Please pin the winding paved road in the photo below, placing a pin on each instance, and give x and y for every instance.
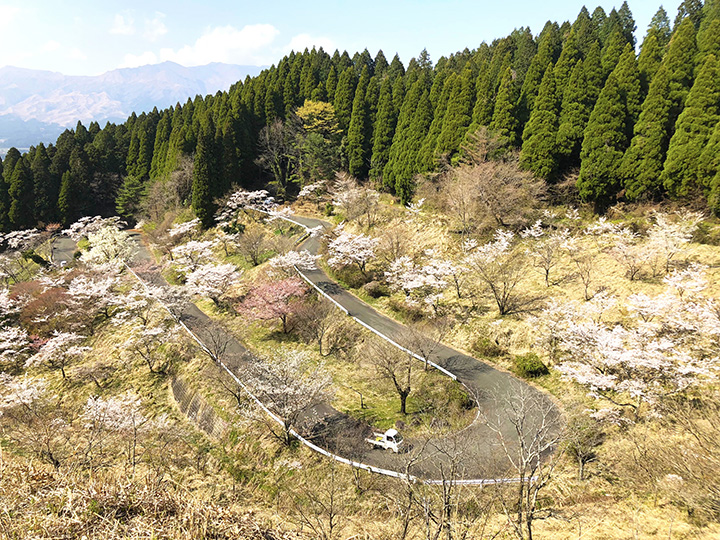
(500, 396)
(477, 451)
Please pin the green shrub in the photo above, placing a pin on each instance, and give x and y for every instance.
(487, 348)
(375, 289)
(411, 313)
(529, 366)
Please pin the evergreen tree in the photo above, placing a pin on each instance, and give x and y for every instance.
(358, 138)
(691, 10)
(458, 115)
(709, 169)
(611, 52)
(203, 169)
(504, 120)
(642, 163)
(426, 156)
(569, 56)
(129, 197)
(603, 145)
(45, 193)
(708, 40)
(344, 97)
(383, 131)
(22, 204)
(548, 51)
(627, 23)
(67, 199)
(660, 27)
(484, 99)
(693, 130)
(649, 61)
(539, 148)
(578, 99)
(331, 84)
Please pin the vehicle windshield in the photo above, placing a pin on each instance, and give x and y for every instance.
(398, 438)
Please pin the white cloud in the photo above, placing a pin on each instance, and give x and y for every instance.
(7, 14)
(305, 41)
(123, 25)
(50, 46)
(226, 44)
(137, 60)
(155, 28)
(77, 54)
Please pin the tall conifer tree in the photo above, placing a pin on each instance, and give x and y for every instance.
(539, 151)
(358, 138)
(606, 135)
(504, 120)
(22, 200)
(693, 130)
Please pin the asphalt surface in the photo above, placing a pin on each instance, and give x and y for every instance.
(509, 408)
(481, 450)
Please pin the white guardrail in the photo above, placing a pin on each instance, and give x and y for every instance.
(303, 440)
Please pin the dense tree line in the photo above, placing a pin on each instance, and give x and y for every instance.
(576, 99)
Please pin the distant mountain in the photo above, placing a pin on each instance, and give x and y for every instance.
(38, 105)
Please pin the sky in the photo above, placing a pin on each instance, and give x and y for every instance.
(90, 37)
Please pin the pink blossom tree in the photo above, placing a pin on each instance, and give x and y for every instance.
(274, 300)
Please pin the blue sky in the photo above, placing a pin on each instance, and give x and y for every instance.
(89, 37)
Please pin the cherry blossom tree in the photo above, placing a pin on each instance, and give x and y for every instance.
(545, 250)
(109, 245)
(668, 236)
(119, 416)
(629, 252)
(191, 255)
(58, 351)
(146, 341)
(31, 417)
(500, 267)
(185, 229)
(288, 262)
(14, 344)
(274, 300)
(348, 249)
(424, 282)
(291, 386)
(665, 347)
(212, 280)
(355, 202)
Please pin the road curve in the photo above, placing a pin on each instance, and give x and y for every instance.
(504, 401)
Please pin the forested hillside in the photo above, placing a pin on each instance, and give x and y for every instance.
(577, 100)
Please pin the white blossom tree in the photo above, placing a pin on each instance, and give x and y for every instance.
(291, 385)
(500, 267)
(109, 245)
(191, 255)
(31, 417)
(288, 262)
(58, 351)
(665, 346)
(545, 250)
(212, 280)
(348, 249)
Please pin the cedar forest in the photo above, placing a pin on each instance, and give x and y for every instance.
(577, 101)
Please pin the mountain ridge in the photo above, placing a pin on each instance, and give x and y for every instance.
(37, 105)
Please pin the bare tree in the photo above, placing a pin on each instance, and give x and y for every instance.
(529, 430)
(252, 243)
(393, 365)
(291, 387)
(277, 153)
